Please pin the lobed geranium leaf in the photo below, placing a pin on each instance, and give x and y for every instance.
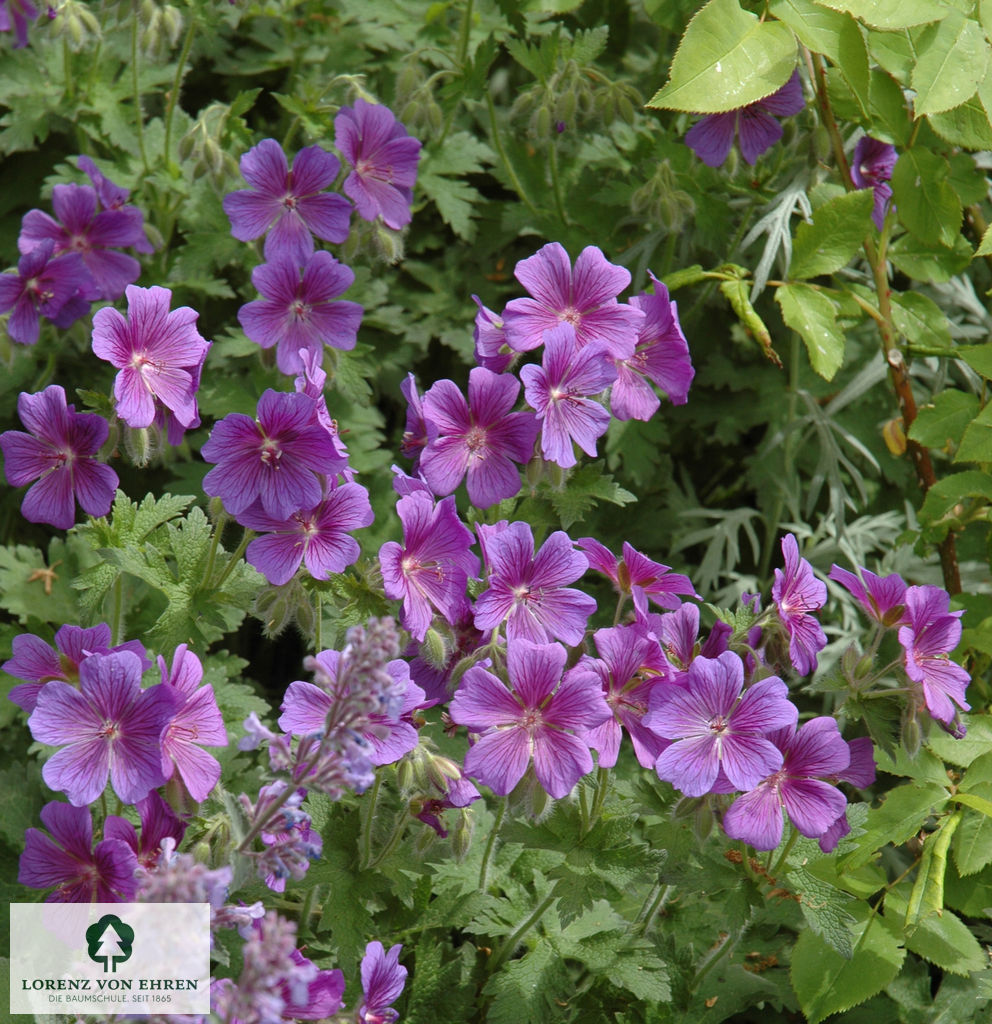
(930, 262)
(826, 909)
(727, 59)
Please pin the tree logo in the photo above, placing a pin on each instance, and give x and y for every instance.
(109, 942)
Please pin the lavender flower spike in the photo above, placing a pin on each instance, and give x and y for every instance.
(153, 349)
(60, 453)
(537, 719)
(711, 138)
(289, 204)
(797, 594)
(108, 727)
(383, 978)
(715, 725)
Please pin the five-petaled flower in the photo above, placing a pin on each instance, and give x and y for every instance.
(797, 594)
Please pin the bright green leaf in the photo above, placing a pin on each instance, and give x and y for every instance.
(976, 445)
(953, 57)
(890, 14)
(943, 939)
(826, 909)
(838, 229)
(927, 205)
(890, 120)
(818, 28)
(973, 842)
(902, 812)
(942, 422)
(930, 262)
(941, 498)
(966, 125)
(813, 315)
(920, 320)
(727, 59)
(978, 357)
(978, 739)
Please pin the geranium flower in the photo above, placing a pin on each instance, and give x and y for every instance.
(558, 390)
(278, 459)
(528, 591)
(881, 597)
(757, 130)
(491, 349)
(298, 315)
(383, 978)
(67, 859)
(43, 286)
(797, 594)
(114, 197)
(384, 161)
(108, 727)
(289, 204)
(480, 438)
(544, 717)
(871, 167)
(585, 298)
(317, 537)
(810, 754)
(156, 351)
(60, 453)
(714, 726)
(430, 570)
(17, 14)
(159, 822)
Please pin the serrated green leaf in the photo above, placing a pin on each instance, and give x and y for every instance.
(524, 989)
(943, 496)
(978, 739)
(892, 14)
(927, 894)
(978, 357)
(727, 59)
(584, 489)
(927, 205)
(890, 120)
(813, 315)
(455, 201)
(943, 939)
(838, 229)
(930, 262)
(941, 422)
(953, 57)
(973, 842)
(920, 320)
(976, 445)
(826, 909)
(966, 125)
(902, 812)
(827, 983)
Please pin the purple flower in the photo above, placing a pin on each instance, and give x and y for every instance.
(711, 138)
(931, 633)
(715, 726)
(384, 161)
(292, 203)
(881, 597)
(299, 314)
(431, 568)
(661, 356)
(637, 575)
(586, 298)
(797, 593)
(42, 287)
(156, 351)
(113, 197)
(310, 382)
(197, 721)
(872, 167)
(415, 433)
(17, 13)
(383, 978)
(528, 591)
(317, 537)
(482, 438)
(491, 349)
(624, 672)
(277, 459)
(815, 751)
(89, 233)
(109, 727)
(38, 663)
(68, 860)
(558, 390)
(158, 823)
(60, 453)
(323, 994)
(537, 719)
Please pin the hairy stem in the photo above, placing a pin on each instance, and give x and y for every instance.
(491, 845)
(177, 85)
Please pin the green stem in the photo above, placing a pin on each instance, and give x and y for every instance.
(117, 626)
(139, 115)
(234, 559)
(318, 621)
(780, 863)
(397, 834)
(620, 605)
(214, 544)
(498, 143)
(70, 88)
(306, 911)
(490, 846)
(177, 84)
(653, 906)
(366, 848)
(503, 953)
(466, 29)
(599, 798)
(556, 183)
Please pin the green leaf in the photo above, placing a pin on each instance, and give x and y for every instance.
(941, 423)
(978, 739)
(838, 229)
(685, 276)
(890, 120)
(818, 28)
(826, 909)
(585, 488)
(973, 842)
(978, 357)
(966, 125)
(954, 56)
(943, 939)
(736, 293)
(928, 261)
(813, 315)
(890, 14)
(927, 205)
(523, 990)
(727, 59)
(902, 812)
(941, 498)
(920, 320)
(927, 895)
(976, 445)
(828, 983)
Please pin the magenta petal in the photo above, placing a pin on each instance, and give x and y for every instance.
(499, 759)
(756, 817)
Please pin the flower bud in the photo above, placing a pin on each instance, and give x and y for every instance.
(894, 436)
(461, 834)
(172, 24)
(388, 244)
(912, 735)
(201, 852)
(404, 777)
(434, 650)
(142, 444)
(272, 606)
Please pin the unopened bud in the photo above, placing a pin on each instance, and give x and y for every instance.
(305, 615)
(388, 244)
(625, 109)
(404, 777)
(912, 735)
(142, 444)
(434, 650)
(461, 834)
(540, 123)
(702, 823)
(201, 852)
(172, 24)
(273, 608)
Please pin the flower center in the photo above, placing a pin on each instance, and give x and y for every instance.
(300, 309)
(475, 439)
(531, 720)
(290, 202)
(78, 243)
(718, 725)
(110, 731)
(570, 315)
(271, 453)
